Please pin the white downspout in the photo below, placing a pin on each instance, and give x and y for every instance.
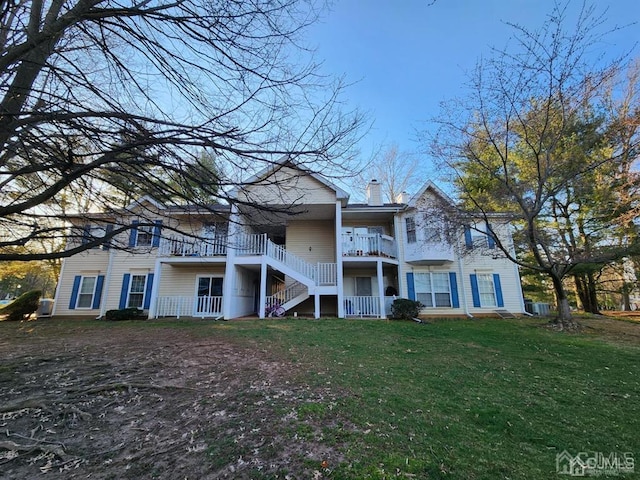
(155, 288)
(107, 282)
(339, 265)
(461, 289)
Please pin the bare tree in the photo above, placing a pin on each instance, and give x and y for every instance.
(396, 171)
(94, 91)
(537, 139)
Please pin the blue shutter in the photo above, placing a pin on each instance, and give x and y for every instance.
(133, 233)
(98, 295)
(498, 289)
(74, 292)
(107, 244)
(147, 291)
(490, 240)
(475, 293)
(411, 287)
(157, 228)
(453, 283)
(468, 241)
(125, 290)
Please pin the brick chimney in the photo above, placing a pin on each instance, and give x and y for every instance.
(374, 193)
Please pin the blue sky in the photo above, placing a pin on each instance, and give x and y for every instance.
(407, 56)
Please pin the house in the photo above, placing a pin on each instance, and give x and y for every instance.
(290, 238)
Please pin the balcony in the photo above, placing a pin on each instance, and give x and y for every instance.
(183, 246)
(369, 245)
(428, 253)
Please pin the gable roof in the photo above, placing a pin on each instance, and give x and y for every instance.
(287, 161)
(147, 199)
(429, 185)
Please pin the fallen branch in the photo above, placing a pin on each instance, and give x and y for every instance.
(37, 402)
(45, 448)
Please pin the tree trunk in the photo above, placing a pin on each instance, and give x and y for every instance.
(587, 293)
(592, 294)
(564, 321)
(626, 297)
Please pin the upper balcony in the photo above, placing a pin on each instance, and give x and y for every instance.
(428, 253)
(369, 245)
(183, 246)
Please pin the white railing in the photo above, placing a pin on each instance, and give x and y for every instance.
(283, 296)
(369, 245)
(192, 247)
(174, 307)
(292, 261)
(327, 274)
(251, 244)
(362, 306)
(208, 306)
(180, 306)
(259, 244)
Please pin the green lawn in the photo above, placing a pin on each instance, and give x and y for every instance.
(463, 399)
(453, 399)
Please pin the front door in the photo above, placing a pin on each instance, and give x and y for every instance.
(209, 296)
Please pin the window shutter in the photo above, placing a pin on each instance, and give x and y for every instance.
(133, 233)
(475, 293)
(147, 292)
(98, 295)
(453, 283)
(74, 292)
(157, 228)
(125, 290)
(411, 287)
(107, 244)
(498, 287)
(468, 241)
(490, 240)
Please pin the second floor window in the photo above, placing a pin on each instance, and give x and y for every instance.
(411, 230)
(144, 236)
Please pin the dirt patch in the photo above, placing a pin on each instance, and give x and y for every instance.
(128, 402)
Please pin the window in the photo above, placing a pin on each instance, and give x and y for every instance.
(432, 234)
(486, 290)
(144, 236)
(411, 230)
(85, 292)
(363, 286)
(210, 287)
(433, 289)
(136, 291)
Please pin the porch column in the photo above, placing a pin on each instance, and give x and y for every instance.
(263, 288)
(339, 267)
(380, 288)
(230, 272)
(317, 305)
(154, 289)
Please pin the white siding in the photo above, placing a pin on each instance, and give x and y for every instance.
(311, 240)
(91, 262)
(288, 186)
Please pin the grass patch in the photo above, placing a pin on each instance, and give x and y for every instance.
(454, 399)
(477, 399)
